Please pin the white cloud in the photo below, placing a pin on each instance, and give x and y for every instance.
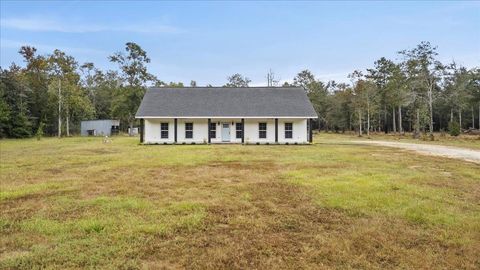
(50, 25)
(14, 44)
(47, 25)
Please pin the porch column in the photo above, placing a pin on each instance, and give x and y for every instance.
(175, 130)
(243, 130)
(310, 131)
(208, 129)
(142, 130)
(276, 130)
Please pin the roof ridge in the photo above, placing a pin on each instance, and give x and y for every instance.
(226, 101)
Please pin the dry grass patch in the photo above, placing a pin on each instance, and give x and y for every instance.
(78, 203)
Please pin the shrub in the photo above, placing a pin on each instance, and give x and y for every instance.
(39, 133)
(453, 128)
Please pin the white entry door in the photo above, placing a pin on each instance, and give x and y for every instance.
(225, 132)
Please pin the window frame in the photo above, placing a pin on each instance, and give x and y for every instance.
(238, 131)
(288, 131)
(189, 132)
(214, 130)
(262, 133)
(163, 129)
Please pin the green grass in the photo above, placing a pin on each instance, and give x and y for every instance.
(19, 192)
(79, 203)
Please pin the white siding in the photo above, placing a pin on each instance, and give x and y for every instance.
(300, 134)
(252, 134)
(200, 131)
(152, 131)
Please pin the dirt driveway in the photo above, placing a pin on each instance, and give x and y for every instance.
(433, 150)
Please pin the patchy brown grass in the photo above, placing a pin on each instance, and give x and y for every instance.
(327, 206)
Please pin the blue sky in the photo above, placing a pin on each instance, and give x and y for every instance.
(207, 41)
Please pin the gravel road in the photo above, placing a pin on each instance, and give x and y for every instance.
(433, 150)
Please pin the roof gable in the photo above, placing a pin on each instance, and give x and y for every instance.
(226, 102)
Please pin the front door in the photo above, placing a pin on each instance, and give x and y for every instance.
(225, 132)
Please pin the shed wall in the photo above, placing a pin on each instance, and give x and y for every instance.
(101, 127)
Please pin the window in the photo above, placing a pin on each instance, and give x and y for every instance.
(188, 130)
(288, 130)
(262, 130)
(213, 130)
(238, 130)
(164, 130)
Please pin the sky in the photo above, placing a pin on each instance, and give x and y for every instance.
(208, 41)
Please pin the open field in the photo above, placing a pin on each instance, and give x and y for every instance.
(79, 203)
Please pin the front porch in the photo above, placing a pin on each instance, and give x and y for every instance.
(225, 131)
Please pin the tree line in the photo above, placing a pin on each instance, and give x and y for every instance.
(417, 94)
(52, 93)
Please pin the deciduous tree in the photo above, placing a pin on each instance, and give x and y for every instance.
(237, 80)
(133, 66)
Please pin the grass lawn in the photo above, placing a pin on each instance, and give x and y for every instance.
(79, 203)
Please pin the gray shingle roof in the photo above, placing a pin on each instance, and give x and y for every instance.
(226, 101)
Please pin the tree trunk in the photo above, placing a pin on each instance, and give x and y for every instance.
(394, 122)
(59, 108)
(478, 115)
(67, 122)
(473, 117)
(360, 123)
(460, 118)
(400, 127)
(385, 119)
(451, 115)
(416, 134)
(349, 122)
(430, 106)
(368, 122)
(379, 121)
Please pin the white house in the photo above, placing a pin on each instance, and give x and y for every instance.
(251, 115)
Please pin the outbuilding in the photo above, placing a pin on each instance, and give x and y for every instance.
(249, 115)
(103, 127)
